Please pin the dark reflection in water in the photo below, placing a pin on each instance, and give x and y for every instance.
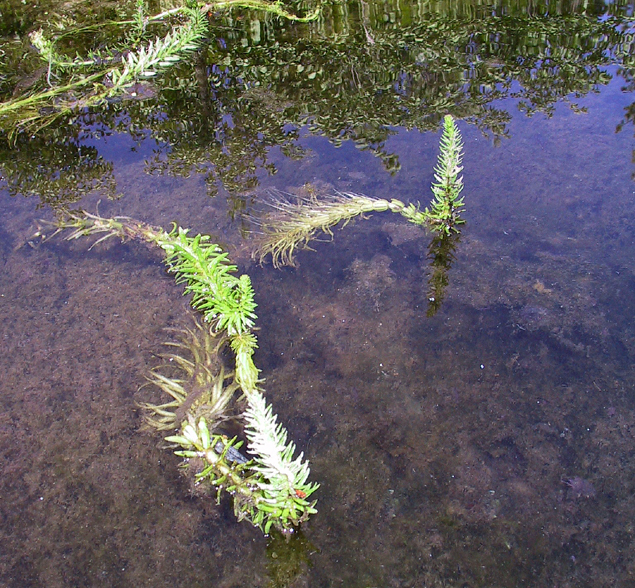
(488, 443)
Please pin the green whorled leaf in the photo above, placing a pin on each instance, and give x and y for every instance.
(203, 433)
(191, 434)
(186, 454)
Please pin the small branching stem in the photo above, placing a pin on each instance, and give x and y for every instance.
(292, 224)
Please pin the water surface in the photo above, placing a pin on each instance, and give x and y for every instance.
(481, 439)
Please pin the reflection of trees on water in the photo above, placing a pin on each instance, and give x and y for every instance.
(359, 71)
(628, 73)
(56, 168)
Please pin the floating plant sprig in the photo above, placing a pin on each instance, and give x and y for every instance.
(292, 223)
(112, 75)
(285, 484)
(272, 490)
(159, 53)
(264, 502)
(226, 301)
(92, 79)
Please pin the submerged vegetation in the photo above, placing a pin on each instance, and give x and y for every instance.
(292, 224)
(270, 487)
(199, 388)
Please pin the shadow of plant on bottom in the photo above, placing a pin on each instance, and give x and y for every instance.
(269, 485)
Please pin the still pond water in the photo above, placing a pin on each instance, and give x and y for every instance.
(470, 416)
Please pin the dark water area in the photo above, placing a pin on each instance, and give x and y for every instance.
(482, 438)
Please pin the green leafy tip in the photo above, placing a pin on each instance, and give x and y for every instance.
(447, 203)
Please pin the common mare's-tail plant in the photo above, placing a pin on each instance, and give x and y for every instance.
(447, 204)
(292, 222)
(270, 484)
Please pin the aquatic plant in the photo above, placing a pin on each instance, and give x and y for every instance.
(110, 71)
(270, 487)
(290, 225)
(294, 223)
